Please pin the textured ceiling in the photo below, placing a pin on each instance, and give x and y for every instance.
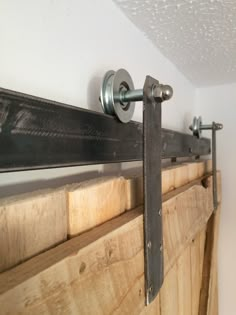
(198, 36)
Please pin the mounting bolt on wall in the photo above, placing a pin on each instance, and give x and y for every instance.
(117, 98)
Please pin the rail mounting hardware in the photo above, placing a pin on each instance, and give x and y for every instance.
(118, 94)
(37, 133)
(197, 127)
(117, 98)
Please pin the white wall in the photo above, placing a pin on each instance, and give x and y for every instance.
(60, 49)
(219, 104)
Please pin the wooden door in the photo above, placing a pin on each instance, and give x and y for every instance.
(79, 249)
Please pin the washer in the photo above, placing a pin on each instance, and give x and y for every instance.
(114, 85)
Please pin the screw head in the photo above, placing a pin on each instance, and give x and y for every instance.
(149, 244)
(150, 289)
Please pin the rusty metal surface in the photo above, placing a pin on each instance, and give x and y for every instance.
(36, 133)
(152, 192)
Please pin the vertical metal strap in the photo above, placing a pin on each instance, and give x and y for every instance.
(214, 167)
(152, 192)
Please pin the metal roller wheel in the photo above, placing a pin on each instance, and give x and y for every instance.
(196, 126)
(114, 85)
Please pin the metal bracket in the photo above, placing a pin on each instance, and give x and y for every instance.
(153, 252)
(117, 98)
(197, 128)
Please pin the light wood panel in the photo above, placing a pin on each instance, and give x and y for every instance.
(101, 271)
(209, 287)
(180, 292)
(184, 215)
(34, 222)
(196, 264)
(173, 177)
(93, 202)
(134, 192)
(30, 224)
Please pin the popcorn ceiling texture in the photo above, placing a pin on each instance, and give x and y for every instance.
(199, 37)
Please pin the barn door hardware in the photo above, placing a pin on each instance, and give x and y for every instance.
(38, 134)
(197, 128)
(117, 98)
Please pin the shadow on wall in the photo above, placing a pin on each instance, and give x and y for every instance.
(93, 93)
(187, 121)
(113, 169)
(30, 186)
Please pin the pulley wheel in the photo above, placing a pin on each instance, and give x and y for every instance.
(114, 85)
(196, 126)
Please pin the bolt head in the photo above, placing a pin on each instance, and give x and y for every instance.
(162, 92)
(218, 126)
(167, 92)
(150, 289)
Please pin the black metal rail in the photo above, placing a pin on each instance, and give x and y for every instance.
(36, 133)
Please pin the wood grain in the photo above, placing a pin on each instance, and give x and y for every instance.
(180, 292)
(30, 224)
(183, 216)
(101, 271)
(173, 177)
(209, 288)
(208, 304)
(94, 202)
(196, 265)
(34, 222)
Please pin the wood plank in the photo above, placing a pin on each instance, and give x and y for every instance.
(212, 305)
(94, 202)
(184, 282)
(173, 177)
(101, 271)
(209, 289)
(34, 222)
(134, 192)
(26, 223)
(183, 216)
(89, 274)
(208, 304)
(152, 309)
(178, 175)
(181, 289)
(196, 264)
(169, 293)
